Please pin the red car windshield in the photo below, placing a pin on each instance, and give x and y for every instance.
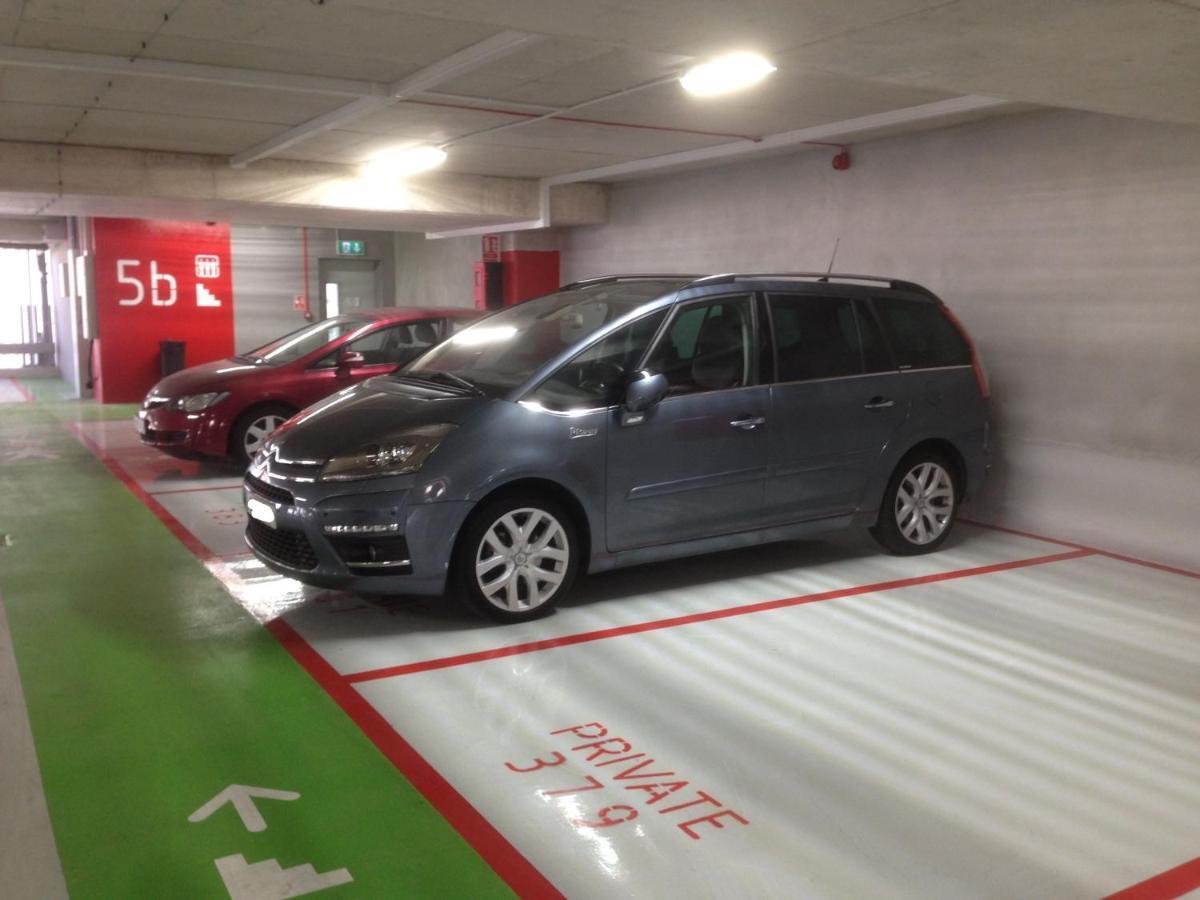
(309, 339)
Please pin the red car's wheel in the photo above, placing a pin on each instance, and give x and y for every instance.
(252, 428)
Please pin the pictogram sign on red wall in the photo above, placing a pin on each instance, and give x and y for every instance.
(158, 281)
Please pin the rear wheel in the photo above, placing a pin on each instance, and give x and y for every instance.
(919, 505)
(252, 429)
(516, 558)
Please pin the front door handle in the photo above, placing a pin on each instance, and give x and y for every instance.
(879, 403)
(749, 423)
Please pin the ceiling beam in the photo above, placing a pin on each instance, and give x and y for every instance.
(467, 60)
(103, 64)
(827, 133)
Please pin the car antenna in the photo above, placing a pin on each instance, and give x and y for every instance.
(832, 257)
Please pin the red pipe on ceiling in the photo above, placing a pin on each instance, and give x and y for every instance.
(579, 121)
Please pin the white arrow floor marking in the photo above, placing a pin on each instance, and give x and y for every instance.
(240, 796)
(267, 880)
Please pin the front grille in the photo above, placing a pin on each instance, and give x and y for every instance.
(288, 548)
(277, 494)
(155, 402)
(298, 471)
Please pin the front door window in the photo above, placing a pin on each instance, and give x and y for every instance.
(707, 347)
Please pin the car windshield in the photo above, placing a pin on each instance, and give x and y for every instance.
(299, 344)
(503, 350)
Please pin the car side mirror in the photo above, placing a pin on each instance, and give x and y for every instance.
(644, 391)
(346, 359)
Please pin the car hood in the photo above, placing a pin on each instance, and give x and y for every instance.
(366, 413)
(212, 376)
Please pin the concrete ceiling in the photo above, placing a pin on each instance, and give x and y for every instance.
(838, 60)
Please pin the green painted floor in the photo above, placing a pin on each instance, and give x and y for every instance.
(150, 690)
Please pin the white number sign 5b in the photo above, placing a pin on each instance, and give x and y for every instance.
(163, 287)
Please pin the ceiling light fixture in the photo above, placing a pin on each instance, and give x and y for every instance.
(405, 161)
(725, 74)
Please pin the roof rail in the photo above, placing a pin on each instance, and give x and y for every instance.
(607, 278)
(896, 283)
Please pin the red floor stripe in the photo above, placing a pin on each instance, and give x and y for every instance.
(163, 515)
(492, 846)
(495, 849)
(602, 634)
(1165, 886)
(21, 389)
(1175, 570)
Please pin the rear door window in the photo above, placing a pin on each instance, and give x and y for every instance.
(920, 334)
(819, 337)
(874, 348)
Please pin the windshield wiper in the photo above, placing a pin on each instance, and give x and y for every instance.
(443, 378)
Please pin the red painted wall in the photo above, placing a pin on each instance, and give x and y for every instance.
(529, 273)
(158, 281)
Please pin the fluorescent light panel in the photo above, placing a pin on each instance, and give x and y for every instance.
(725, 74)
(405, 161)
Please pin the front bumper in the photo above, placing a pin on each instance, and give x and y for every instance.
(183, 434)
(408, 553)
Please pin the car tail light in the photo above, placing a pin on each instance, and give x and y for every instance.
(976, 359)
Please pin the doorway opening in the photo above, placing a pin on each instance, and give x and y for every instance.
(348, 285)
(26, 327)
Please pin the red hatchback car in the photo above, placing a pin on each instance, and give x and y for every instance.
(229, 407)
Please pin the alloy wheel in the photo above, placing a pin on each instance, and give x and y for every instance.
(258, 431)
(924, 503)
(522, 560)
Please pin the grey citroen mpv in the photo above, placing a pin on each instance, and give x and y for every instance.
(628, 419)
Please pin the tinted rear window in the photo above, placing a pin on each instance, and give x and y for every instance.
(824, 337)
(921, 335)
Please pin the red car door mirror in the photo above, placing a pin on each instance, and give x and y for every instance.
(348, 359)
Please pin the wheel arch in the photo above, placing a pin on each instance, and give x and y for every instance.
(953, 455)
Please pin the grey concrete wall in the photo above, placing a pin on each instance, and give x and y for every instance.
(1067, 242)
(435, 272)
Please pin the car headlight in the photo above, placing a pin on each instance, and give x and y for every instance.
(395, 454)
(198, 402)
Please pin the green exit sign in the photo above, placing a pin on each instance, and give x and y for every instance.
(352, 248)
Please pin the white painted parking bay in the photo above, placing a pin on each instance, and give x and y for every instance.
(425, 631)
(1008, 717)
(1029, 733)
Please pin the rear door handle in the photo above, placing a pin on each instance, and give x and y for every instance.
(878, 403)
(749, 423)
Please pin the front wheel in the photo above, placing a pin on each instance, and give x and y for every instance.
(919, 505)
(516, 558)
